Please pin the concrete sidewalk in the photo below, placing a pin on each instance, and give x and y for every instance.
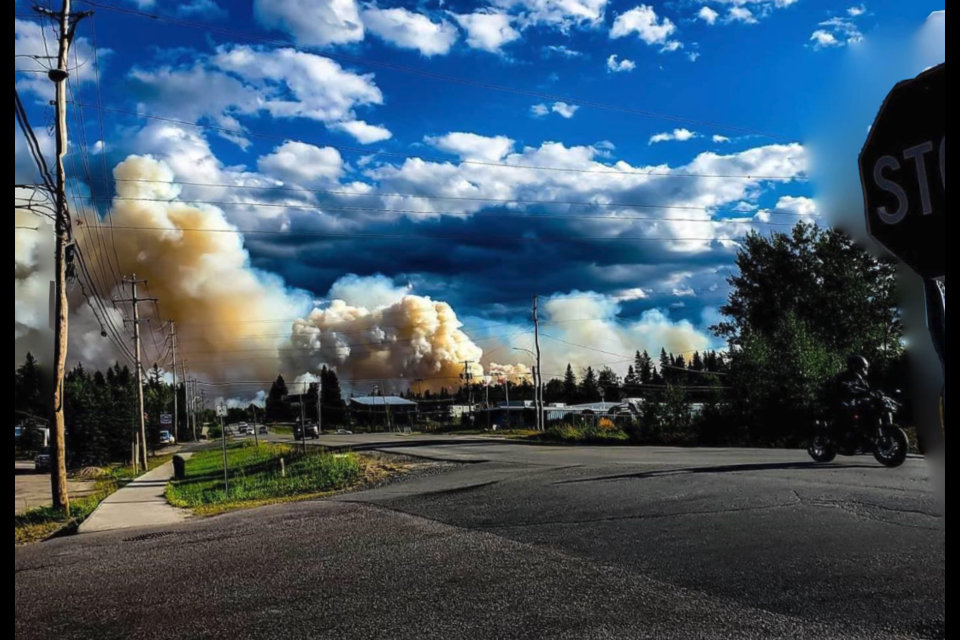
(140, 504)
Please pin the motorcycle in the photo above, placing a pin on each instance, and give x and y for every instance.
(866, 424)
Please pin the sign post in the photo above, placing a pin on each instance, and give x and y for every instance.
(903, 171)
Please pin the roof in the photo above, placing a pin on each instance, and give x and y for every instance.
(378, 401)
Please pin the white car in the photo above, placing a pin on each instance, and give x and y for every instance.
(344, 432)
(167, 439)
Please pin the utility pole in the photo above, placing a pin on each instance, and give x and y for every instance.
(538, 376)
(303, 419)
(64, 255)
(135, 301)
(320, 408)
(506, 385)
(176, 387)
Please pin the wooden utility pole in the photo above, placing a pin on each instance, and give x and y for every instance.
(64, 255)
(176, 387)
(135, 301)
(538, 376)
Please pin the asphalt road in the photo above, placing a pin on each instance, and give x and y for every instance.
(526, 542)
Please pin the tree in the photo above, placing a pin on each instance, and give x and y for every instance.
(644, 368)
(846, 298)
(697, 363)
(666, 367)
(571, 390)
(277, 409)
(334, 408)
(590, 387)
(28, 391)
(609, 383)
(802, 303)
(631, 379)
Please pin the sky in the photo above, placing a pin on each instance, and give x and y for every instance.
(384, 187)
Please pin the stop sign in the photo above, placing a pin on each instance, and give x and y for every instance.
(902, 171)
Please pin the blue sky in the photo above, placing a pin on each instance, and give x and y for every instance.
(309, 100)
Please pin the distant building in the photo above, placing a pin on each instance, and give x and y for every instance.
(378, 412)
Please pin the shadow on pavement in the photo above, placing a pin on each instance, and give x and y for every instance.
(734, 468)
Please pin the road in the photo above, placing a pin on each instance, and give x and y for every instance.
(526, 542)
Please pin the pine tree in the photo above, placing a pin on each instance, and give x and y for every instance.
(609, 383)
(631, 379)
(666, 366)
(697, 364)
(590, 387)
(571, 391)
(645, 369)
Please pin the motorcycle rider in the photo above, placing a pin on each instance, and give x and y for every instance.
(850, 387)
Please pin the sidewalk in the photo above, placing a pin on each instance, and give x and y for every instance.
(140, 504)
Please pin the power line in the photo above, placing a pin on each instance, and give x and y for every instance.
(387, 236)
(439, 159)
(428, 74)
(479, 214)
(420, 196)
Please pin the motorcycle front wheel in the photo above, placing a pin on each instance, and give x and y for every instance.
(822, 450)
(891, 450)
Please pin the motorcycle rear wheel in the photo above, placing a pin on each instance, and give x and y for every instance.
(822, 450)
(892, 450)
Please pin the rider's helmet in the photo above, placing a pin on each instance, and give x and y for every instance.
(859, 365)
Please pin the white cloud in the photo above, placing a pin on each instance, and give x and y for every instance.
(363, 132)
(206, 9)
(586, 176)
(470, 146)
(409, 30)
(823, 39)
(245, 81)
(836, 32)
(708, 15)
(649, 27)
(721, 139)
(560, 14)
(677, 135)
(562, 109)
(562, 51)
(303, 164)
(373, 292)
(488, 30)
(743, 11)
(799, 206)
(857, 11)
(741, 14)
(565, 110)
(539, 111)
(614, 65)
(319, 23)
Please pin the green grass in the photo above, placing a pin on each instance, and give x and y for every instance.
(256, 478)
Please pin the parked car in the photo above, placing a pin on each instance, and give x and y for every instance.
(313, 432)
(264, 431)
(167, 439)
(344, 432)
(43, 461)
